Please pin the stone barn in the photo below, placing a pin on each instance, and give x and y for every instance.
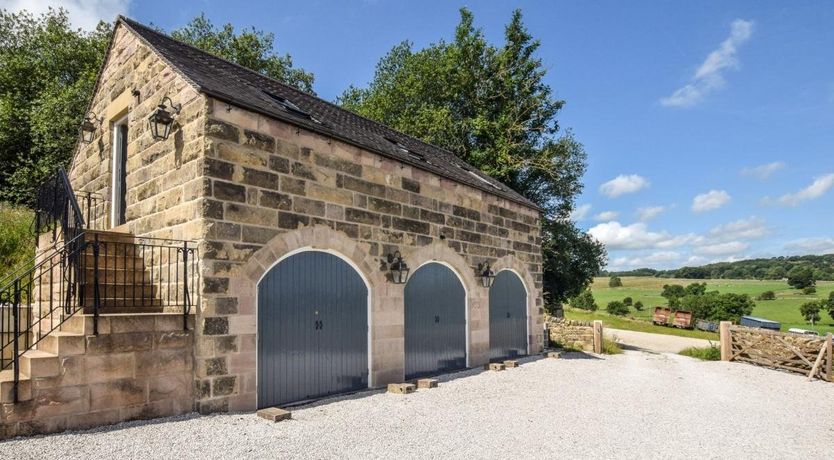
(231, 243)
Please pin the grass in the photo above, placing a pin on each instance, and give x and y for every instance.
(610, 348)
(706, 353)
(784, 309)
(17, 244)
(617, 322)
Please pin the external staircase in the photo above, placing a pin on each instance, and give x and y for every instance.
(97, 329)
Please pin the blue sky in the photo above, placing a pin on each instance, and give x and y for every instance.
(709, 125)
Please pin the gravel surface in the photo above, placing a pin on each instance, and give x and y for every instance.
(634, 405)
(660, 343)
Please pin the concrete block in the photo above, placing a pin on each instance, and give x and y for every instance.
(510, 363)
(275, 414)
(494, 367)
(427, 383)
(401, 388)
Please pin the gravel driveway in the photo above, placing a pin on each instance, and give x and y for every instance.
(660, 343)
(634, 405)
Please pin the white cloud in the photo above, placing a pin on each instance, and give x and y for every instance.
(708, 77)
(654, 259)
(817, 189)
(720, 249)
(606, 216)
(636, 236)
(817, 245)
(649, 212)
(763, 171)
(82, 13)
(581, 212)
(749, 229)
(623, 184)
(713, 199)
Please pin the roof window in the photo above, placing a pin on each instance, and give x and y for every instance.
(476, 176)
(289, 106)
(403, 149)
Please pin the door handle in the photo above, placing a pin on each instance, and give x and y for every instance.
(437, 319)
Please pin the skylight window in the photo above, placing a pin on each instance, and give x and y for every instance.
(289, 106)
(476, 176)
(403, 149)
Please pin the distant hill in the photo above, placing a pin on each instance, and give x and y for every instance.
(772, 269)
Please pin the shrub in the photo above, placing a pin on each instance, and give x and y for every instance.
(767, 295)
(809, 290)
(711, 353)
(638, 305)
(801, 277)
(17, 244)
(617, 308)
(615, 282)
(628, 301)
(829, 304)
(610, 348)
(584, 301)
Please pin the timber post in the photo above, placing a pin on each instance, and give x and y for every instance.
(597, 336)
(724, 340)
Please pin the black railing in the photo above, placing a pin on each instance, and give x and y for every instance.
(91, 272)
(94, 207)
(57, 210)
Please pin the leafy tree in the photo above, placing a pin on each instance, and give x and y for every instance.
(489, 105)
(809, 290)
(615, 282)
(715, 306)
(801, 277)
(672, 293)
(696, 289)
(811, 311)
(628, 301)
(638, 305)
(584, 301)
(777, 273)
(47, 73)
(617, 308)
(250, 48)
(767, 295)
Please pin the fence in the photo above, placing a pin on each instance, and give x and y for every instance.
(805, 354)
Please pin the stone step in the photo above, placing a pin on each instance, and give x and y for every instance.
(24, 389)
(126, 322)
(110, 236)
(63, 343)
(136, 309)
(39, 363)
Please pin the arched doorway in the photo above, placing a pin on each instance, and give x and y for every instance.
(312, 329)
(507, 317)
(435, 321)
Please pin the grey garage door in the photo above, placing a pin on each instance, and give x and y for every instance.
(507, 317)
(312, 329)
(435, 322)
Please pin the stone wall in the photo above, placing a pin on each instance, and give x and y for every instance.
(138, 367)
(272, 188)
(571, 333)
(163, 179)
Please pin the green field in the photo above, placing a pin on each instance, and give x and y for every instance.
(784, 309)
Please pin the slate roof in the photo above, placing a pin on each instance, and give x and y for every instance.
(242, 87)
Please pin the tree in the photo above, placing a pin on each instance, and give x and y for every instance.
(696, 289)
(489, 105)
(767, 295)
(638, 305)
(673, 292)
(809, 290)
(615, 282)
(801, 277)
(829, 304)
(47, 73)
(584, 301)
(731, 307)
(250, 48)
(811, 312)
(628, 301)
(617, 308)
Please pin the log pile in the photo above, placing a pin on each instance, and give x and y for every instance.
(808, 355)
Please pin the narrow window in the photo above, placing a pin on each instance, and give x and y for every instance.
(118, 189)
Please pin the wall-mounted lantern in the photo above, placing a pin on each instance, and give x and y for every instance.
(161, 119)
(399, 269)
(486, 274)
(89, 126)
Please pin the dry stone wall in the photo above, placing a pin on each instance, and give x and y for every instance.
(571, 333)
